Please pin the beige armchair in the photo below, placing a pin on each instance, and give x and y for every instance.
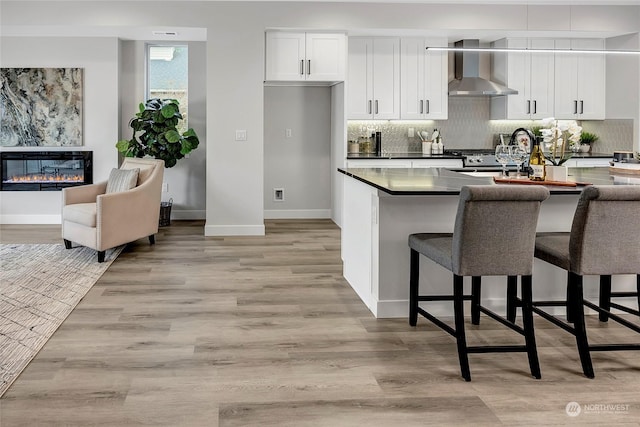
(101, 221)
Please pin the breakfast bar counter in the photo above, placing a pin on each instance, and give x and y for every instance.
(383, 206)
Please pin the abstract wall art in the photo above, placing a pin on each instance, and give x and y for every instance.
(41, 107)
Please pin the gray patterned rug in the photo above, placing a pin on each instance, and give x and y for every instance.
(39, 286)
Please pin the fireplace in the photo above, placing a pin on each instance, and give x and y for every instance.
(45, 170)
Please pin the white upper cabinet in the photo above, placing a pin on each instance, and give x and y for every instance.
(580, 81)
(423, 82)
(292, 57)
(373, 78)
(531, 74)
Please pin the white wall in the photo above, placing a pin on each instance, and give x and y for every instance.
(99, 58)
(338, 149)
(623, 81)
(235, 63)
(300, 164)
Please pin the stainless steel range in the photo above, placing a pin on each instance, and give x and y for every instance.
(480, 158)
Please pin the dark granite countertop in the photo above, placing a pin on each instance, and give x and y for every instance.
(390, 156)
(440, 181)
(417, 155)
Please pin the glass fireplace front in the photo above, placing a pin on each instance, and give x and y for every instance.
(45, 170)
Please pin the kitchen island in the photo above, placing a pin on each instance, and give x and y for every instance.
(383, 206)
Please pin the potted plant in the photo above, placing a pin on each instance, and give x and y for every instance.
(155, 133)
(586, 141)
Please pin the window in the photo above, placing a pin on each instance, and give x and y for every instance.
(167, 76)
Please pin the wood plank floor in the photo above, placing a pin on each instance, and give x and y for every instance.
(265, 331)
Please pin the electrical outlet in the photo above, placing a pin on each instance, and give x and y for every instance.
(288, 133)
(278, 194)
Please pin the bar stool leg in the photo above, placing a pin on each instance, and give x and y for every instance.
(527, 319)
(638, 289)
(569, 307)
(577, 308)
(512, 296)
(413, 287)
(476, 287)
(605, 297)
(458, 309)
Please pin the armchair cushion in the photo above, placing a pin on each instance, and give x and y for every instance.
(122, 180)
(80, 213)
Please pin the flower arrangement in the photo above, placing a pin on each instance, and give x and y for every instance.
(559, 138)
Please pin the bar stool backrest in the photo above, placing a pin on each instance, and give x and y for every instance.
(605, 234)
(495, 229)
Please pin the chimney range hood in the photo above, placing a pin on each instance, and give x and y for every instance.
(467, 80)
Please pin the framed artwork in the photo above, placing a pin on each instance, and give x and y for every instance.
(41, 107)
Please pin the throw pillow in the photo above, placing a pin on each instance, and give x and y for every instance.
(122, 180)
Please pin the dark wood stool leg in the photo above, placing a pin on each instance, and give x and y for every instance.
(638, 289)
(577, 308)
(67, 244)
(476, 289)
(570, 313)
(413, 287)
(512, 295)
(100, 256)
(458, 309)
(152, 239)
(527, 320)
(605, 297)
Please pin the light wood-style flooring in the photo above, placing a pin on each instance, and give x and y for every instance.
(265, 331)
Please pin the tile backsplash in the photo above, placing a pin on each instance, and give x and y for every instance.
(469, 126)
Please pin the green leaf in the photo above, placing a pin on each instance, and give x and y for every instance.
(169, 110)
(172, 136)
(122, 145)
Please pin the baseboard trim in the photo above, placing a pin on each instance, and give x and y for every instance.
(297, 214)
(390, 309)
(234, 230)
(188, 214)
(30, 219)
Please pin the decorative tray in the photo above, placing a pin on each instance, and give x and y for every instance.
(625, 168)
(526, 181)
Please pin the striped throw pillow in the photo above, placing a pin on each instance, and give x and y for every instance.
(122, 180)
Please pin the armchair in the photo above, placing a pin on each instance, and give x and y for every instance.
(99, 220)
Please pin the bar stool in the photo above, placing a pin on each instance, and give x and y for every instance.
(494, 235)
(603, 241)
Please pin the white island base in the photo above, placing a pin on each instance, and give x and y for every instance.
(375, 229)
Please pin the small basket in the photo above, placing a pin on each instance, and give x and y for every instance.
(165, 213)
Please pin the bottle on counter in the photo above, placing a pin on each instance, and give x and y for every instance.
(536, 162)
(378, 143)
(435, 148)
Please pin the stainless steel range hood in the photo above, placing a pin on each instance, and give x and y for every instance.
(467, 80)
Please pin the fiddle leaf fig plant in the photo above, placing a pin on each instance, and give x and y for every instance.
(155, 133)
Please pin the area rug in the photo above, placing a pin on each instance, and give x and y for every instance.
(39, 286)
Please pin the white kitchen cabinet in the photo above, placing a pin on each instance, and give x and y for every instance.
(312, 57)
(437, 163)
(588, 163)
(532, 75)
(373, 78)
(378, 163)
(423, 82)
(580, 81)
(404, 163)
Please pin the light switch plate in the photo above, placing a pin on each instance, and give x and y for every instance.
(241, 135)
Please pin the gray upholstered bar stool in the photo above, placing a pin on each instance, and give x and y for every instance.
(603, 241)
(494, 235)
